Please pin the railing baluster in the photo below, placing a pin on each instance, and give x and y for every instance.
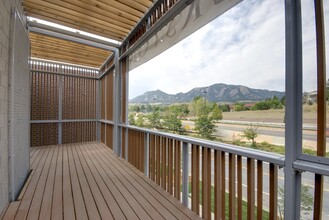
(170, 166)
(273, 191)
(152, 157)
(177, 169)
(147, 154)
(163, 163)
(158, 174)
(206, 183)
(239, 176)
(223, 188)
(251, 188)
(259, 189)
(232, 205)
(165, 159)
(217, 184)
(196, 178)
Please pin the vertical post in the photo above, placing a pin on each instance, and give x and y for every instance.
(321, 100)
(147, 154)
(98, 108)
(60, 108)
(293, 112)
(185, 174)
(117, 104)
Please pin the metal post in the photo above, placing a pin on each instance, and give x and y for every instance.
(117, 105)
(293, 113)
(147, 154)
(98, 107)
(185, 174)
(60, 107)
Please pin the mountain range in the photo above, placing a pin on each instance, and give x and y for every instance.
(216, 93)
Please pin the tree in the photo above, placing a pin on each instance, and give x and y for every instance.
(131, 119)
(140, 121)
(250, 133)
(224, 107)
(216, 113)
(205, 126)
(199, 106)
(306, 200)
(172, 123)
(149, 108)
(154, 120)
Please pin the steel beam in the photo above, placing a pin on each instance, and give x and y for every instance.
(63, 74)
(34, 24)
(293, 112)
(71, 38)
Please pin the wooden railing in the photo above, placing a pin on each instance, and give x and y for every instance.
(156, 12)
(206, 176)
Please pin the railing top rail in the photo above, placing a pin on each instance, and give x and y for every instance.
(229, 148)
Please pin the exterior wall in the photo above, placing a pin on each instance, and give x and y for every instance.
(6, 7)
(63, 103)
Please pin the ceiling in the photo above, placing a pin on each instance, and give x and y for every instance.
(50, 48)
(113, 19)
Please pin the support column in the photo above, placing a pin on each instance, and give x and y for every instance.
(117, 105)
(293, 112)
(60, 107)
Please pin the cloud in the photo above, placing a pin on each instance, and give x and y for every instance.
(245, 46)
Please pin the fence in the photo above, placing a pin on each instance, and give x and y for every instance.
(63, 103)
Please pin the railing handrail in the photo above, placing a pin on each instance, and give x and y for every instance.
(269, 157)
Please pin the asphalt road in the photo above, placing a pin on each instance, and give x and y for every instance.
(307, 135)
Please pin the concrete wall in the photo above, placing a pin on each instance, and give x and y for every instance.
(6, 9)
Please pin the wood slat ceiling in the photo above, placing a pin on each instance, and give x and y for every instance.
(113, 19)
(55, 49)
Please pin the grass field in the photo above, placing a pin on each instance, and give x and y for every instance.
(273, 115)
(244, 203)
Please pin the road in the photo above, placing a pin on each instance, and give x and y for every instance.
(277, 132)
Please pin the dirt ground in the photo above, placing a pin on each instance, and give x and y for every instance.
(273, 115)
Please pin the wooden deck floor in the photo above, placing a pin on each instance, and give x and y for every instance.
(86, 181)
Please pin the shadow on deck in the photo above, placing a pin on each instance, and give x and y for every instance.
(87, 181)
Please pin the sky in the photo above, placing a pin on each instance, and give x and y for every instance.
(244, 46)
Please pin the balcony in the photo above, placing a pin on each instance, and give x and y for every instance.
(87, 181)
(87, 162)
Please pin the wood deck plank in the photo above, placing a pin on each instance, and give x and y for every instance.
(101, 204)
(79, 204)
(86, 192)
(68, 205)
(121, 201)
(24, 207)
(87, 181)
(57, 203)
(11, 211)
(133, 202)
(139, 188)
(160, 194)
(45, 211)
(110, 200)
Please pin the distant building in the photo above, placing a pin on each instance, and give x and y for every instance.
(312, 96)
